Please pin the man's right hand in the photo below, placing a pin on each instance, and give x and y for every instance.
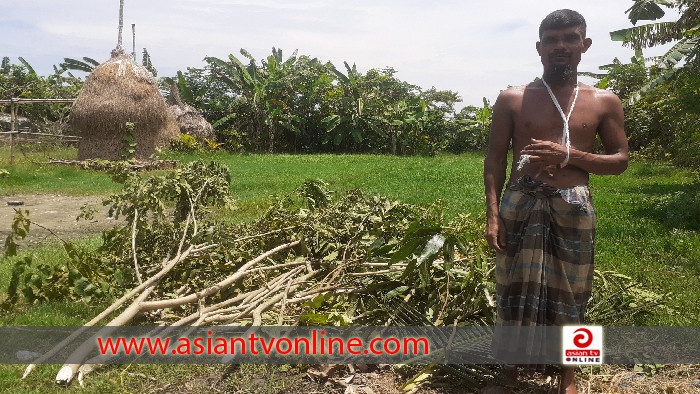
(496, 234)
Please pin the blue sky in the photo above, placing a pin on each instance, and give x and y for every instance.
(476, 48)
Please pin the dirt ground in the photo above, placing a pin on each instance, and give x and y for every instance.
(55, 212)
(609, 379)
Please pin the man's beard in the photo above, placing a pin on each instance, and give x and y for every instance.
(559, 72)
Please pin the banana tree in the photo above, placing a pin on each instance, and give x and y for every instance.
(86, 65)
(686, 31)
(624, 79)
(407, 121)
(479, 124)
(264, 91)
(5, 65)
(356, 110)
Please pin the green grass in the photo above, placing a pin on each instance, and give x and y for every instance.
(141, 378)
(648, 222)
(454, 180)
(647, 217)
(29, 177)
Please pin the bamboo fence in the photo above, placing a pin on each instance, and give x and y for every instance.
(14, 103)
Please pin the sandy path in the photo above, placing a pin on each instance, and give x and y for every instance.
(56, 212)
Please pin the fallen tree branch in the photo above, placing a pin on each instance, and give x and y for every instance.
(280, 318)
(250, 305)
(133, 246)
(170, 303)
(68, 371)
(243, 298)
(264, 234)
(251, 301)
(257, 312)
(356, 274)
(169, 265)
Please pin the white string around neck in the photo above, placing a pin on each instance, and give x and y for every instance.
(524, 159)
(565, 132)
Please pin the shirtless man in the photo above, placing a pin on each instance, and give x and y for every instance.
(548, 183)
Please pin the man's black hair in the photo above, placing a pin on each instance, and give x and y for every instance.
(562, 19)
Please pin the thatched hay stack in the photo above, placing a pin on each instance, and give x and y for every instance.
(116, 92)
(188, 118)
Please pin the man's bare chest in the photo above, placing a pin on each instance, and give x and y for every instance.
(547, 124)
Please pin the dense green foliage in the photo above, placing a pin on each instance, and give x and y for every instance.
(662, 116)
(300, 104)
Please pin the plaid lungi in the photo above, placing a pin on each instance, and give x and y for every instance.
(545, 276)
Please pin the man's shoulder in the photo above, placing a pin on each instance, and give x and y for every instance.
(520, 91)
(512, 93)
(514, 90)
(597, 92)
(603, 96)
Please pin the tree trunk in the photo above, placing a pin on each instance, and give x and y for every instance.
(272, 139)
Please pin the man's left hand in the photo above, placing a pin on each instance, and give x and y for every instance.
(545, 152)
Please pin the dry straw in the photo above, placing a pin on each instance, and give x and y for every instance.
(116, 92)
(188, 119)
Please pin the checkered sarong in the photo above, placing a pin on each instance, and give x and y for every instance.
(545, 276)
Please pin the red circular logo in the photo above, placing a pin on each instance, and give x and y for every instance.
(584, 338)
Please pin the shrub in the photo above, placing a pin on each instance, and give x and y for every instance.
(185, 143)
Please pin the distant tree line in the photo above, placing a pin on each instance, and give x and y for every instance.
(300, 104)
(297, 104)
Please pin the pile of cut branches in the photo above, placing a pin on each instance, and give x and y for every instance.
(311, 259)
(98, 164)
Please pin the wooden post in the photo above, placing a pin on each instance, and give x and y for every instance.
(133, 42)
(121, 23)
(13, 127)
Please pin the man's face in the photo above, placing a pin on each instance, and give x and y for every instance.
(561, 49)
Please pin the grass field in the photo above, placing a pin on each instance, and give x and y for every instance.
(648, 217)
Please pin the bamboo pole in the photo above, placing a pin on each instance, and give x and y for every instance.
(133, 42)
(42, 134)
(13, 121)
(121, 23)
(17, 100)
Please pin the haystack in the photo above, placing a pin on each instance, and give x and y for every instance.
(116, 92)
(189, 120)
